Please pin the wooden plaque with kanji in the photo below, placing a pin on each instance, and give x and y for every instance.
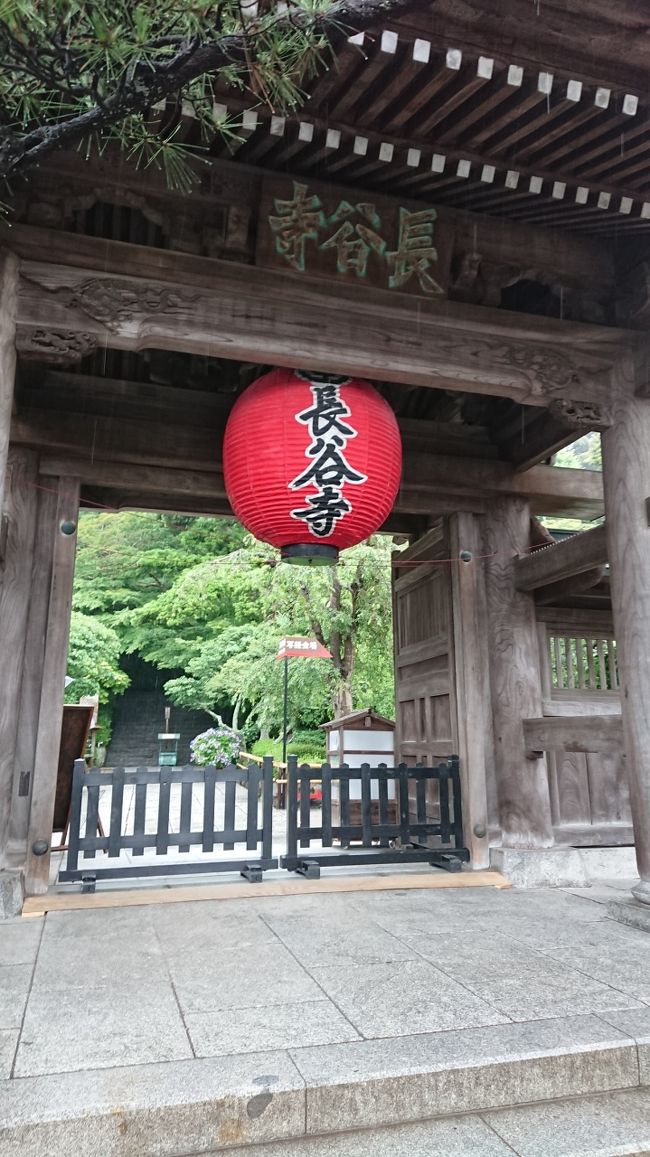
(326, 231)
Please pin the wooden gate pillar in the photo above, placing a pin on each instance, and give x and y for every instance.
(626, 476)
(62, 539)
(522, 783)
(472, 675)
(8, 307)
(21, 502)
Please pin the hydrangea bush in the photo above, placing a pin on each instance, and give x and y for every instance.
(216, 747)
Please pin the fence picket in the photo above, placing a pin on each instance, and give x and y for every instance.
(229, 815)
(139, 818)
(252, 808)
(209, 781)
(185, 825)
(92, 816)
(326, 784)
(366, 805)
(117, 801)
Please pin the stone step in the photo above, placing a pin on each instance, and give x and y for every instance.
(514, 1077)
(139, 716)
(608, 1125)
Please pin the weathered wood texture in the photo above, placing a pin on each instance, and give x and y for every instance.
(472, 675)
(215, 220)
(8, 316)
(181, 894)
(182, 460)
(50, 714)
(562, 560)
(39, 582)
(15, 574)
(589, 795)
(425, 703)
(626, 469)
(583, 733)
(522, 784)
(131, 297)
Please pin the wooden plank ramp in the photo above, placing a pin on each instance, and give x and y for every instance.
(123, 898)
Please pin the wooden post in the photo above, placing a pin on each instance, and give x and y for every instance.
(626, 474)
(522, 783)
(472, 674)
(50, 715)
(15, 575)
(32, 668)
(8, 310)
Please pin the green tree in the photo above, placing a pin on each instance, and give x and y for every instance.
(583, 454)
(93, 660)
(92, 71)
(242, 604)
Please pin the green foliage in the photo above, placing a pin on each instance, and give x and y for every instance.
(583, 454)
(94, 71)
(93, 660)
(306, 753)
(246, 602)
(199, 597)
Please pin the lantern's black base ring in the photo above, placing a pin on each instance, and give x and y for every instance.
(304, 554)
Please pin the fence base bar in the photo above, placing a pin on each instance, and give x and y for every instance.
(450, 861)
(189, 869)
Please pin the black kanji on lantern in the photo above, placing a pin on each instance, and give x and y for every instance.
(328, 468)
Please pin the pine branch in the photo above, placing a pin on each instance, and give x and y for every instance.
(149, 82)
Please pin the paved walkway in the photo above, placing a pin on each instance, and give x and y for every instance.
(325, 992)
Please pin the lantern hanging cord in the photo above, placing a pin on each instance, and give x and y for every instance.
(68, 494)
(444, 561)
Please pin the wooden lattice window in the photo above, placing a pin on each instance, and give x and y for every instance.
(582, 663)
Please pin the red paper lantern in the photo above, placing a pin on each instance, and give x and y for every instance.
(312, 462)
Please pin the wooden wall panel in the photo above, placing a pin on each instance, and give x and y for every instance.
(425, 716)
(589, 792)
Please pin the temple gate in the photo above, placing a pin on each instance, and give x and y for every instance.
(456, 224)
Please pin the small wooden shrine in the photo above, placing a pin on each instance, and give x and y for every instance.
(460, 213)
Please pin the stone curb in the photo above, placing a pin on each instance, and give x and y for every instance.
(208, 1106)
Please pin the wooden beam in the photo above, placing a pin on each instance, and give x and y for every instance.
(566, 257)
(583, 733)
(186, 459)
(65, 392)
(568, 588)
(537, 442)
(95, 292)
(52, 687)
(139, 479)
(289, 886)
(8, 315)
(552, 564)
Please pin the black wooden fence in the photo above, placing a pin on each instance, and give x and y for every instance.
(397, 814)
(205, 824)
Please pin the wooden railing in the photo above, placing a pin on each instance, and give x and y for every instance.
(582, 663)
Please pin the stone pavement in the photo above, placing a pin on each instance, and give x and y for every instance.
(192, 1028)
